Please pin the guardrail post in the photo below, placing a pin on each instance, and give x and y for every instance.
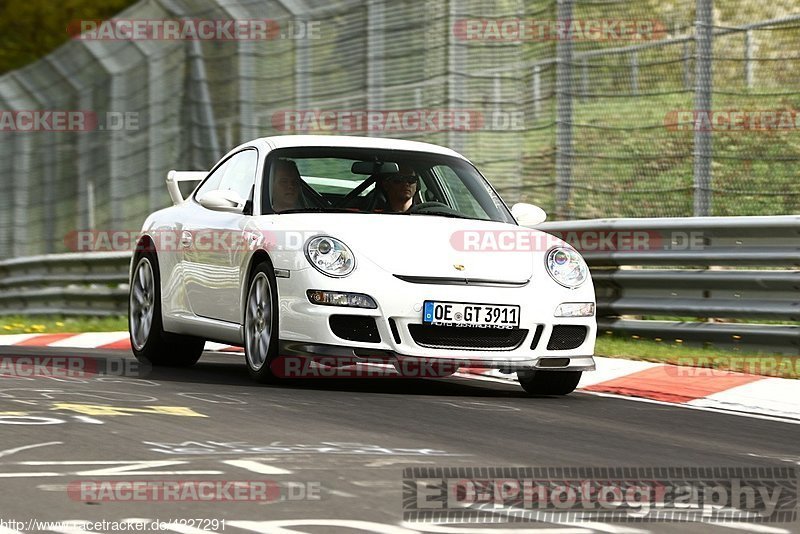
(564, 88)
(703, 142)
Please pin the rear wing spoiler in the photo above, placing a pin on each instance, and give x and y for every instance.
(175, 177)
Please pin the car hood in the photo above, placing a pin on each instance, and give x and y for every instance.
(427, 246)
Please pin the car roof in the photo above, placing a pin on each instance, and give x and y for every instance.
(290, 141)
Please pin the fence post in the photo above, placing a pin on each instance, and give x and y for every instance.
(635, 73)
(584, 79)
(702, 103)
(22, 167)
(455, 82)
(687, 69)
(248, 121)
(537, 92)
(204, 104)
(497, 95)
(748, 58)
(7, 199)
(564, 87)
(376, 30)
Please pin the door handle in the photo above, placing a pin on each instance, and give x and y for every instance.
(186, 239)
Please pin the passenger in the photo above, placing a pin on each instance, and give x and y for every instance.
(286, 186)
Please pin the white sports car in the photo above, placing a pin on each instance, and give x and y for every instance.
(338, 250)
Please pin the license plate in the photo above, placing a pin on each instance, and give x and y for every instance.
(470, 314)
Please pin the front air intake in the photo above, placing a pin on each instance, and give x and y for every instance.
(355, 328)
(566, 337)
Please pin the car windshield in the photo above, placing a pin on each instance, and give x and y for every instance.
(389, 182)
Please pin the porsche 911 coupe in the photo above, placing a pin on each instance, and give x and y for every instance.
(339, 250)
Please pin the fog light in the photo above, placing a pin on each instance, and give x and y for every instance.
(338, 298)
(575, 309)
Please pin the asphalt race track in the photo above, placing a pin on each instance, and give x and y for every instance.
(335, 448)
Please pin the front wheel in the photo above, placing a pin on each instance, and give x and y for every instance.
(261, 323)
(549, 382)
(150, 344)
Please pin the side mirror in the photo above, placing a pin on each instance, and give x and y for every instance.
(223, 200)
(528, 214)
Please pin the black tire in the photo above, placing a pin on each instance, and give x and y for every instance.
(154, 346)
(549, 382)
(260, 315)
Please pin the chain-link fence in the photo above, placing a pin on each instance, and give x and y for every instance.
(589, 108)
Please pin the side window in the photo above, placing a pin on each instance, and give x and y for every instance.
(212, 183)
(240, 174)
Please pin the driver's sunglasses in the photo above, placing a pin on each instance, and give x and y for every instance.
(403, 179)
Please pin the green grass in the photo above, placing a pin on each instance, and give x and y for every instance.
(673, 352)
(34, 324)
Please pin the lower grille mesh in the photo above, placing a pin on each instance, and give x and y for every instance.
(456, 337)
(566, 336)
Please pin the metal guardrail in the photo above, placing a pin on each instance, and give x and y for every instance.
(730, 271)
(721, 269)
(94, 283)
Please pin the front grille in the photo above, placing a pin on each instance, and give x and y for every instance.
(455, 281)
(459, 337)
(566, 336)
(355, 328)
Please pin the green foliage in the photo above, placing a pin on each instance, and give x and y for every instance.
(29, 29)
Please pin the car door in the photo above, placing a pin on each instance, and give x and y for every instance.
(213, 242)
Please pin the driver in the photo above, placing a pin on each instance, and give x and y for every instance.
(286, 186)
(399, 189)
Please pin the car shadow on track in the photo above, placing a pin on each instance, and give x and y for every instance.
(230, 370)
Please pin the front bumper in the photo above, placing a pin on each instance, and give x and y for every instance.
(305, 327)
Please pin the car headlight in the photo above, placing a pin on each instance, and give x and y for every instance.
(566, 267)
(330, 256)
